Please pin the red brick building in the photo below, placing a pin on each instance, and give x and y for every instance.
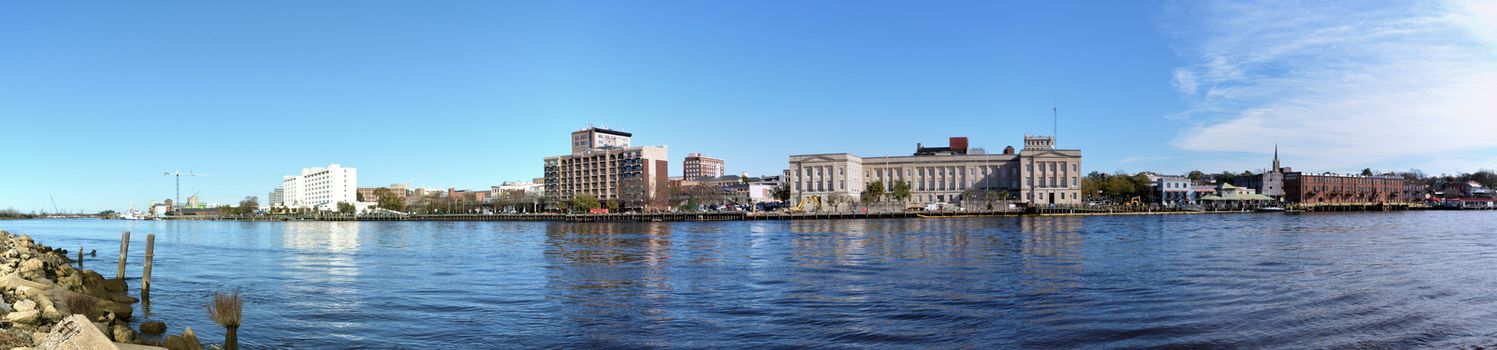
(700, 166)
(1305, 188)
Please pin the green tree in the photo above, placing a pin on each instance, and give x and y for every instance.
(836, 201)
(389, 200)
(249, 205)
(781, 192)
(873, 192)
(1093, 183)
(345, 208)
(584, 202)
(901, 191)
(1366, 171)
(613, 205)
(1223, 177)
(1196, 175)
(359, 196)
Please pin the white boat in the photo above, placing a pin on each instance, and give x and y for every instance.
(132, 214)
(1270, 209)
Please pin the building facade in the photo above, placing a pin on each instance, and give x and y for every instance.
(1466, 189)
(322, 188)
(594, 138)
(698, 166)
(1040, 174)
(1269, 183)
(762, 189)
(519, 189)
(1327, 188)
(729, 189)
(370, 194)
(1174, 190)
(606, 168)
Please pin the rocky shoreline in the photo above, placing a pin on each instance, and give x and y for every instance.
(44, 296)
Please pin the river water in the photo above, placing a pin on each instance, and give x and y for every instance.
(1370, 280)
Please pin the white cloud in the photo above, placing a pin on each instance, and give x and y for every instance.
(1340, 86)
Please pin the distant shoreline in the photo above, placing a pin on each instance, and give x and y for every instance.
(745, 216)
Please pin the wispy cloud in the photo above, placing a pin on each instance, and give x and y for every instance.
(1339, 85)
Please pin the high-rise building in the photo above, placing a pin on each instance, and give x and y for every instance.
(321, 188)
(605, 166)
(277, 197)
(699, 166)
(1039, 174)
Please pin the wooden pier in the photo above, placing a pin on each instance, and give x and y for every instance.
(1351, 207)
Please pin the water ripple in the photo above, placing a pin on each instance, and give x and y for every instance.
(1366, 281)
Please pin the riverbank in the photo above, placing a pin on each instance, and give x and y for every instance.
(743, 216)
(43, 293)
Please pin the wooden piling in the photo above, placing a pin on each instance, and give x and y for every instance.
(80, 257)
(124, 251)
(145, 278)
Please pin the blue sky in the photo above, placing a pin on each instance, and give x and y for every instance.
(99, 98)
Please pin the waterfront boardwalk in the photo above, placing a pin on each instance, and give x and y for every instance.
(827, 215)
(821, 215)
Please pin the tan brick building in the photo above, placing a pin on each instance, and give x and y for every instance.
(604, 165)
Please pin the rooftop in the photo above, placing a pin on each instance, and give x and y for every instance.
(606, 131)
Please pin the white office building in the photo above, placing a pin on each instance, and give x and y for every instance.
(321, 188)
(1039, 174)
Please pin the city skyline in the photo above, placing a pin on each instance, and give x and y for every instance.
(472, 95)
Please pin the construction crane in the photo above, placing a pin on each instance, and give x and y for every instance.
(177, 203)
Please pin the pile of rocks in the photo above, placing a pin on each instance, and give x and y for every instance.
(40, 288)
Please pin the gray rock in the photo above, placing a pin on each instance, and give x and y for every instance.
(31, 265)
(174, 343)
(191, 339)
(122, 333)
(25, 305)
(26, 317)
(13, 281)
(153, 327)
(75, 333)
(115, 285)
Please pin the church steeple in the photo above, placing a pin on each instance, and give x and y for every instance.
(1275, 158)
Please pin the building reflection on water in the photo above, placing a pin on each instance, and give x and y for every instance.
(610, 278)
(1051, 254)
(623, 284)
(324, 267)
